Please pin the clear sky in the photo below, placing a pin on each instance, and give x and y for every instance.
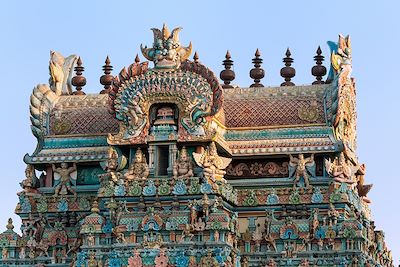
(94, 29)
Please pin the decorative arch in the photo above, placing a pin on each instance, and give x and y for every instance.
(193, 88)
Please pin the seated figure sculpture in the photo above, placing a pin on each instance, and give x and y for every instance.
(138, 170)
(183, 166)
(213, 165)
(341, 170)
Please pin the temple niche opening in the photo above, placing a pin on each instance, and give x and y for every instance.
(170, 166)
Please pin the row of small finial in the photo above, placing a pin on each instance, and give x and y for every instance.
(227, 75)
(287, 72)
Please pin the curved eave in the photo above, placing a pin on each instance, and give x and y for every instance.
(313, 139)
(70, 149)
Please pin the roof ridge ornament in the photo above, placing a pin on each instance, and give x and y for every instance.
(167, 52)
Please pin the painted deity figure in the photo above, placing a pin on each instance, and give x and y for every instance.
(213, 165)
(271, 263)
(183, 166)
(333, 215)
(138, 170)
(136, 260)
(187, 232)
(209, 260)
(31, 182)
(63, 176)
(340, 170)
(302, 167)
(271, 242)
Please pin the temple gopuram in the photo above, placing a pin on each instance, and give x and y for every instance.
(168, 165)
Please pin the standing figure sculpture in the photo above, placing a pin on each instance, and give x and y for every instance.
(213, 165)
(138, 170)
(302, 167)
(183, 166)
(64, 177)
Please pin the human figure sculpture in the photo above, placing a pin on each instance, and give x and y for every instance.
(213, 165)
(31, 182)
(63, 177)
(187, 232)
(271, 263)
(333, 214)
(138, 170)
(209, 260)
(302, 167)
(183, 166)
(270, 242)
(340, 170)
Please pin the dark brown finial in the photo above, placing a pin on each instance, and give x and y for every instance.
(79, 81)
(196, 57)
(137, 59)
(227, 75)
(257, 73)
(107, 78)
(288, 72)
(318, 70)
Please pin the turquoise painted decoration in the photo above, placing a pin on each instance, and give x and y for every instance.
(206, 188)
(179, 188)
(150, 189)
(62, 205)
(173, 165)
(317, 196)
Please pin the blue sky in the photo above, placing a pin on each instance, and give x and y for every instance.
(29, 30)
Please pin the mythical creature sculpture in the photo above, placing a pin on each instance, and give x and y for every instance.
(213, 165)
(138, 170)
(362, 188)
(340, 170)
(341, 58)
(31, 182)
(302, 167)
(61, 72)
(167, 52)
(64, 177)
(183, 166)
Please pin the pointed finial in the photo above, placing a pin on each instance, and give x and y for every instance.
(196, 57)
(10, 225)
(288, 72)
(257, 73)
(227, 75)
(318, 70)
(79, 81)
(137, 59)
(107, 78)
(95, 207)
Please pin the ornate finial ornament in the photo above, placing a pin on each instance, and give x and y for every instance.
(167, 52)
(10, 225)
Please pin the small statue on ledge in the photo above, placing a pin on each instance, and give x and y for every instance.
(340, 170)
(183, 166)
(64, 177)
(302, 167)
(31, 182)
(138, 170)
(213, 165)
(362, 188)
